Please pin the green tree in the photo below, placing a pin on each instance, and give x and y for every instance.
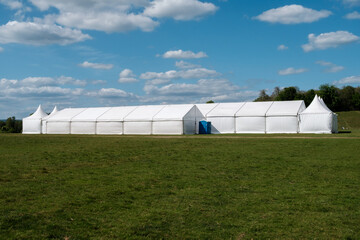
(289, 93)
(263, 96)
(330, 95)
(210, 101)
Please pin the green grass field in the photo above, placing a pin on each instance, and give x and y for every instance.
(217, 187)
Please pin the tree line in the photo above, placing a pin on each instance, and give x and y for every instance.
(11, 125)
(344, 99)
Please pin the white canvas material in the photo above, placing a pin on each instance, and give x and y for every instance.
(85, 122)
(60, 123)
(283, 116)
(318, 118)
(44, 120)
(222, 117)
(251, 118)
(32, 124)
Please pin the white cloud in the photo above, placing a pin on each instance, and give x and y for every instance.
(179, 9)
(292, 14)
(329, 40)
(282, 47)
(348, 80)
(180, 54)
(184, 74)
(112, 93)
(353, 15)
(291, 70)
(33, 33)
(96, 65)
(98, 82)
(352, 3)
(127, 76)
(12, 4)
(186, 65)
(330, 67)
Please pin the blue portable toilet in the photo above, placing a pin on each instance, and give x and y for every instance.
(204, 127)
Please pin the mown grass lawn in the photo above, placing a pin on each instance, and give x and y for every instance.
(93, 187)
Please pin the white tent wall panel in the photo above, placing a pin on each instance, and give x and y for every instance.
(109, 127)
(316, 123)
(138, 128)
(58, 127)
(83, 127)
(282, 124)
(222, 124)
(168, 127)
(250, 124)
(32, 126)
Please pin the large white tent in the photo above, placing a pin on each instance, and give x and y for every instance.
(112, 121)
(85, 122)
(318, 118)
(32, 124)
(282, 116)
(222, 117)
(139, 121)
(251, 118)
(177, 119)
(44, 123)
(60, 123)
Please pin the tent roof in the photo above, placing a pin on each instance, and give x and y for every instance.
(38, 114)
(225, 109)
(66, 114)
(205, 108)
(90, 114)
(116, 113)
(173, 112)
(286, 108)
(53, 112)
(316, 106)
(254, 109)
(144, 113)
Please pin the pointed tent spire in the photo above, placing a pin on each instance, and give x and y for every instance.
(39, 113)
(55, 110)
(317, 106)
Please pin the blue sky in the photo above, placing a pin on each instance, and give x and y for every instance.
(90, 53)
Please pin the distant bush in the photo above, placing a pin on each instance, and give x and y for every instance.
(344, 99)
(11, 125)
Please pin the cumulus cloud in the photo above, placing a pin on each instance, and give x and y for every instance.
(179, 9)
(12, 4)
(291, 70)
(353, 15)
(330, 67)
(282, 47)
(180, 54)
(292, 14)
(96, 65)
(33, 33)
(329, 40)
(184, 74)
(348, 80)
(352, 3)
(186, 65)
(127, 76)
(112, 93)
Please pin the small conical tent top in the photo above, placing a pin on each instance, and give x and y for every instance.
(55, 110)
(38, 114)
(317, 106)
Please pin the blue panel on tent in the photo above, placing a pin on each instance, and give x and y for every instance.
(204, 127)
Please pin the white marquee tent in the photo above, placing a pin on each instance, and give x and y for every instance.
(32, 124)
(177, 119)
(60, 123)
(251, 118)
(112, 121)
(318, 118)
(139, 121)
(222, 117)
(43, 122)
(282, 117)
